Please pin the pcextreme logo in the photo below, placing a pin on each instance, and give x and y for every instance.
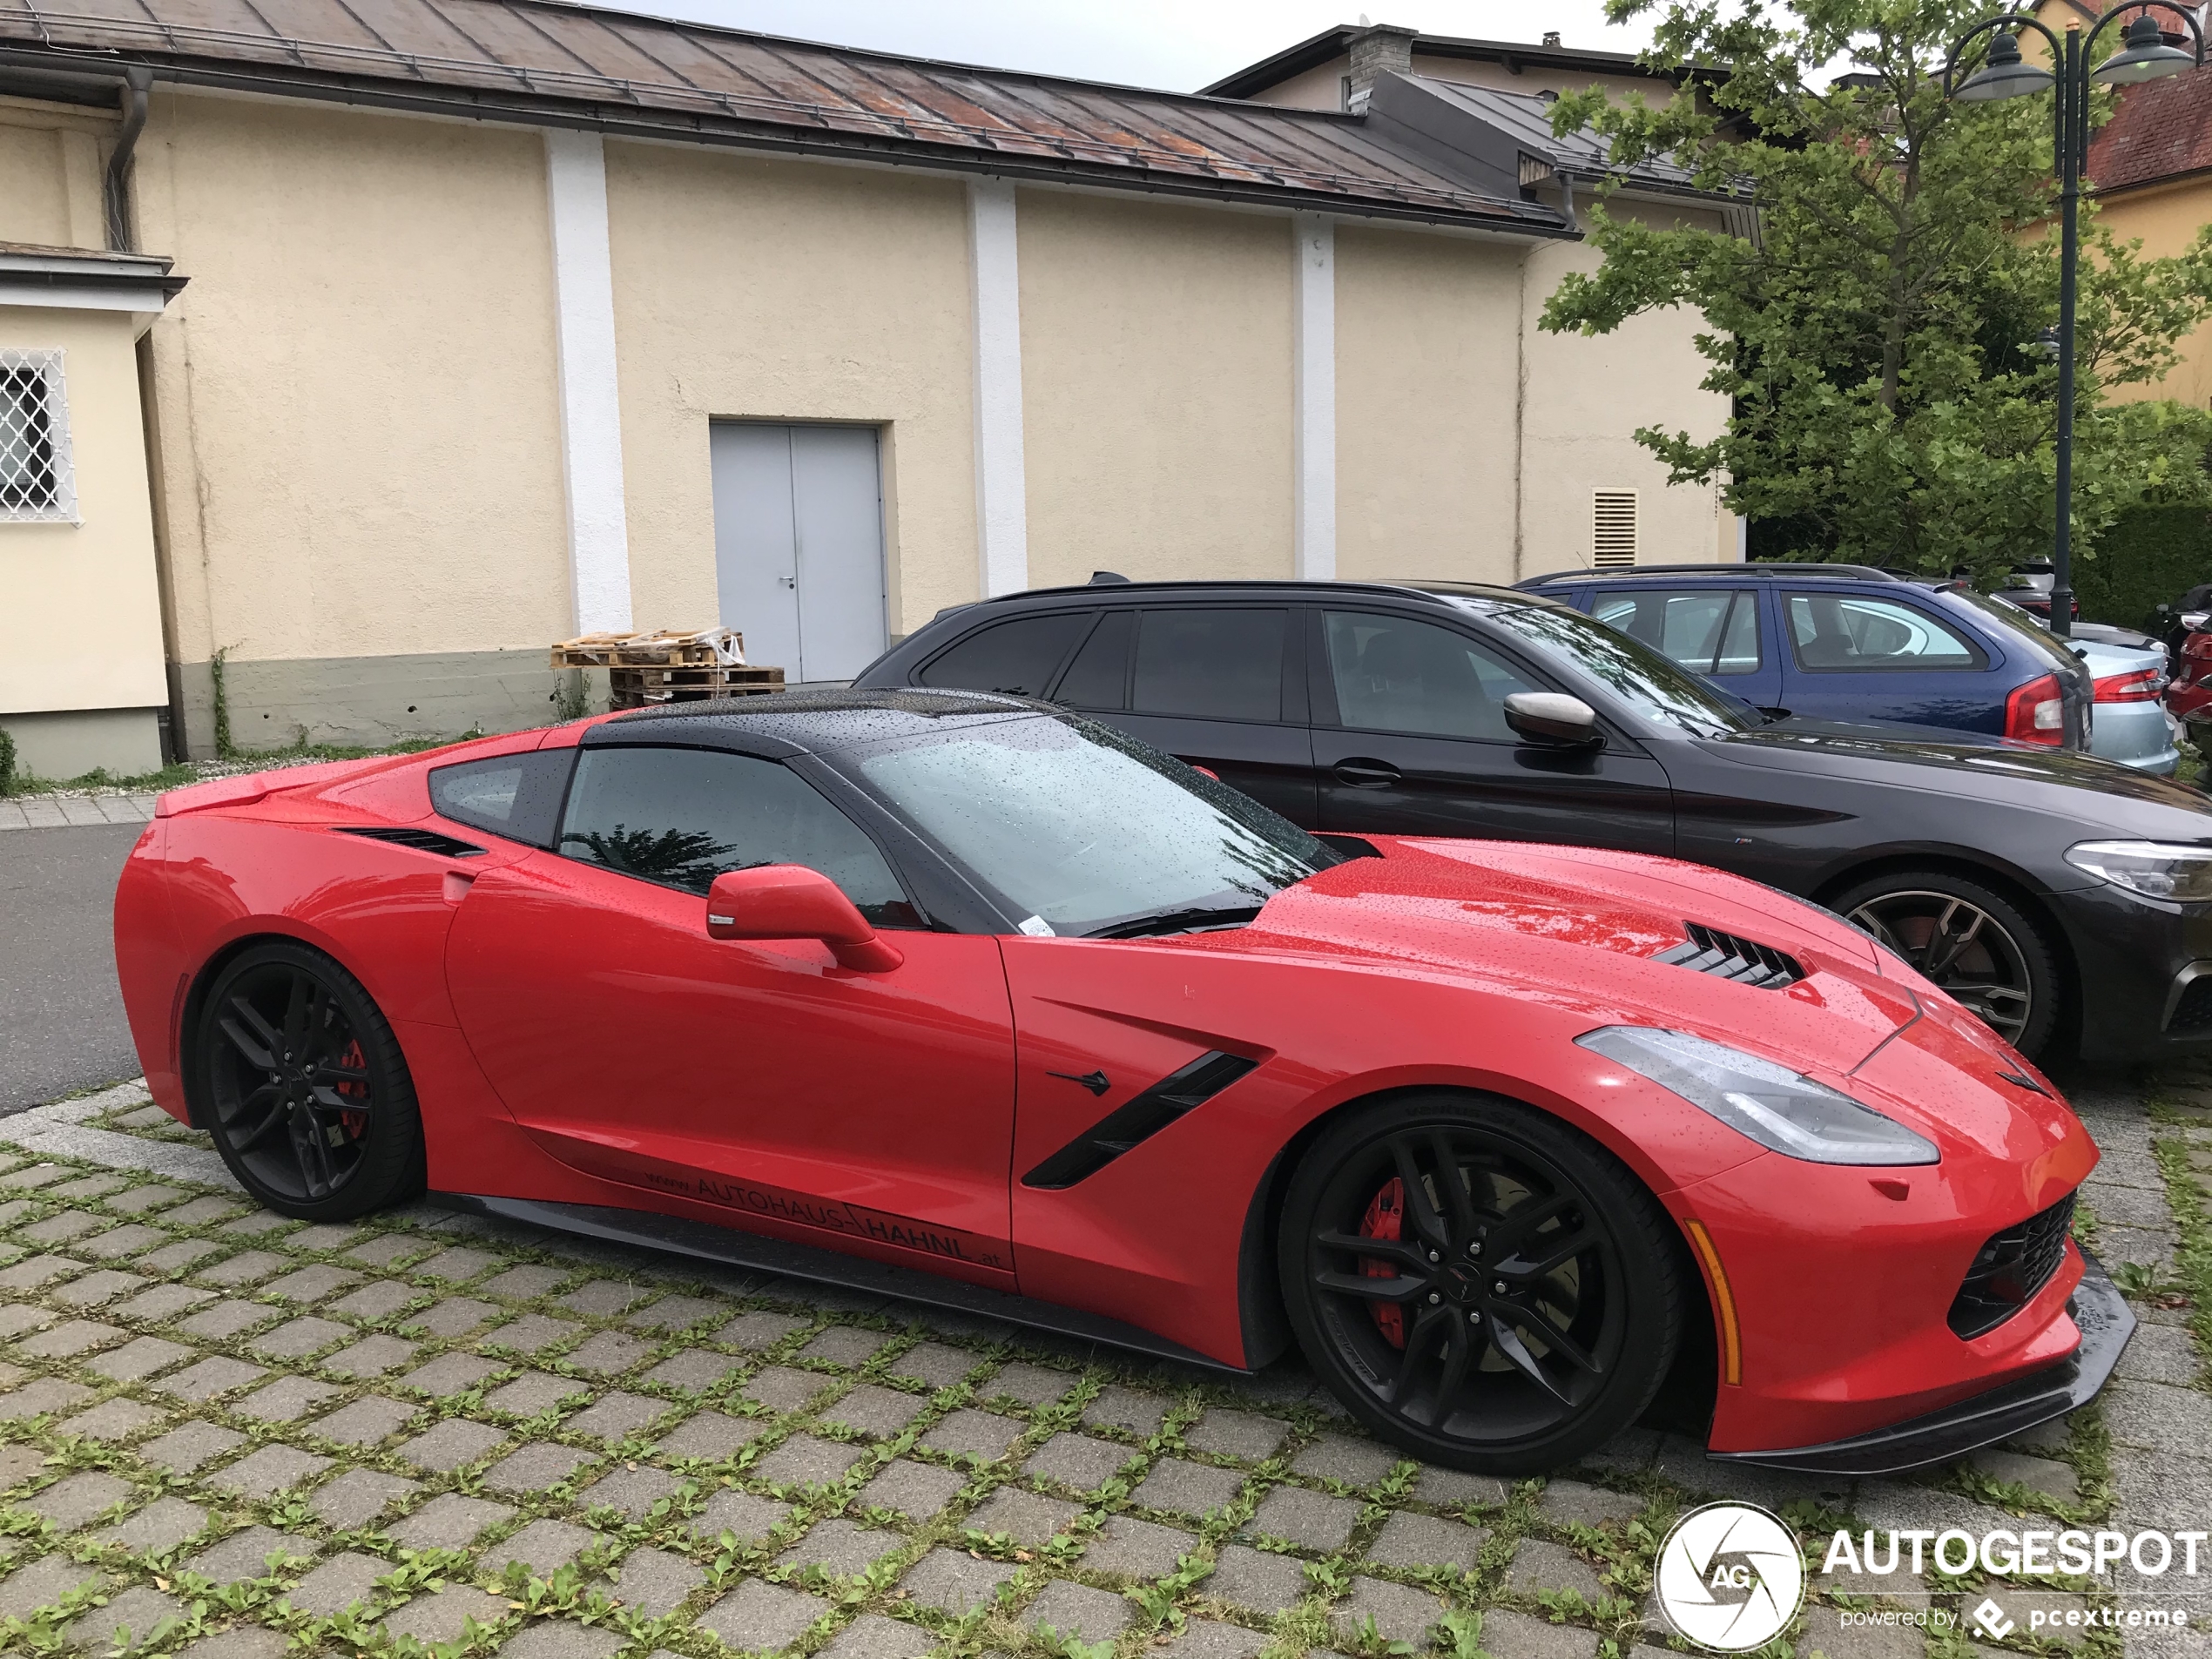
(1730, 1577)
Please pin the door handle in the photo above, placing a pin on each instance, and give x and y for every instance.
(787, 581)
(1363, 773)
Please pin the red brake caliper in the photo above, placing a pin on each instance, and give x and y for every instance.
(356, 1124)
(1386, 1218)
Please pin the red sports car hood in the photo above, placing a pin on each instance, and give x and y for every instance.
(1582, 926)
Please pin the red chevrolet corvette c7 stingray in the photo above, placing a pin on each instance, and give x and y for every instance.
(966, 998)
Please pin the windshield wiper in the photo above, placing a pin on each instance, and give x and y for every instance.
(1176, 921)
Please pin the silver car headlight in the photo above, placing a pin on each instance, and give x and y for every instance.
(2176, 871)
(1781, 1109)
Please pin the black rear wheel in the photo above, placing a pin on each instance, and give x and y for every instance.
(303, 1087)
(1478, 1282)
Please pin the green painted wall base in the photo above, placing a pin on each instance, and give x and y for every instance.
(68, 743)
(372, 701)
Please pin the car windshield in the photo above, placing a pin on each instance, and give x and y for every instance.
(1645, 683)
(1085, 831)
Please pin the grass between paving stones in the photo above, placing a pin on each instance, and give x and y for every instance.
(1045, 1393)
(2185, 1201)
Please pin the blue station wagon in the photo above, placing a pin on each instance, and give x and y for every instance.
(1844, 642)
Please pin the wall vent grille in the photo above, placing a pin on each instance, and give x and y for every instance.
(1615, 523)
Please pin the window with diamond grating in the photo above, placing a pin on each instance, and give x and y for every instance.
(37, 480)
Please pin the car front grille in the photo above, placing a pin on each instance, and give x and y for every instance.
(2194, 1011)
(1708, 950)
(2010, 1268)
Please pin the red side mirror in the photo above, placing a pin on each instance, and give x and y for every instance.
(788, 902)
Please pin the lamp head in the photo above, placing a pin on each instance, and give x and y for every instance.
(2143, 56)
(2005, 75)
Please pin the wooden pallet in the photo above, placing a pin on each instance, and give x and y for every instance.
(662, 648)
(633, 688)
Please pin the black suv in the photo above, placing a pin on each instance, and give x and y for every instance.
(2048, 890)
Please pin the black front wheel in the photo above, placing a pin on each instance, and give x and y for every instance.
(1478, 1282)
(303, 1088)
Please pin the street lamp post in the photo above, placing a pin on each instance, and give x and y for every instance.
(2143, 56)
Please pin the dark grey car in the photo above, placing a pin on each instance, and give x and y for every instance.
(2054, 892)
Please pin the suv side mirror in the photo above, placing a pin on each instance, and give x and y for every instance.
(789, 901)
(1553, 719)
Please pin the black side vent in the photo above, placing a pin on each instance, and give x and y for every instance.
(1708, 951)
(2010, 1268)
(422, 841)
(1137, 1119)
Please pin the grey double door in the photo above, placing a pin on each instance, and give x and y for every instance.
(799, 545)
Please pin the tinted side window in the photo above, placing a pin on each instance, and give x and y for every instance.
(1844, 630)
(681, 817)
(1394, 674)
(516, 796)
(1098, 678)
(1018, 658)
(1708, 630)
(1215, 664)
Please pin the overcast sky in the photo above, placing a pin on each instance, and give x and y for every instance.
(1176, 44)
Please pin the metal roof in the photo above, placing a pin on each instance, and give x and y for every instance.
(545, 63)
(1332, 44)
(1526, 118)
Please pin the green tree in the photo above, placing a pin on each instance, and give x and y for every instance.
(1879, 335)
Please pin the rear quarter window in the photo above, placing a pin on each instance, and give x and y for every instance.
(1017, 657)
(515, 796)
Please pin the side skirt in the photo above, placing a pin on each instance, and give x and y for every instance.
(681, 1236)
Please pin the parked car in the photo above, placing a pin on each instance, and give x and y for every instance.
(2030, 587)
(1845, 641)
(2188, 696)
(2130, 724)
(970, 1000)
(2048, 890)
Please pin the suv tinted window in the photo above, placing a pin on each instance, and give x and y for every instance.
(516, 796)
(1850, 630)
(681, 817)
(1098, 678)
(1709, 630)
(1216, 664)
(1017, 657)
(1394, 674)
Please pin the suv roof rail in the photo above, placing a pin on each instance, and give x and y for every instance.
(1090, 590)
(1767, 568)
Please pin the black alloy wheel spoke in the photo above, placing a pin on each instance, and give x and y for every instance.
(1525, 1217)
(295, 1016)
(1420, 1212)
(311, 1151)
(280, 1111)
(326, 1097)
(1561, 1248)
(1508, 1341)
(1375, 1289)
(1454, 1185)
(1432, 1323)
(251, 1034)
(1386, 1250)
(1532, 1319)
(1459, 1356)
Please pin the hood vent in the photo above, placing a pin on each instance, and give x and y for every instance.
(1709, 951)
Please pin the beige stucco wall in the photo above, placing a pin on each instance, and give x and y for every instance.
(2167, 218)
(80, 619)
(1427, 377)
(50, 156)
(359, 425)
(1156, 385)
(1583, 399)
(747, 288)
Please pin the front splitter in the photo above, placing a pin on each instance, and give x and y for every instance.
(2106, 1322)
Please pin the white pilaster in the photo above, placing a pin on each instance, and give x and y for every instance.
(1313, 460)
(583, 292)
(1001, 502)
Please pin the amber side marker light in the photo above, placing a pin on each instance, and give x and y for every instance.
(1731, 1341)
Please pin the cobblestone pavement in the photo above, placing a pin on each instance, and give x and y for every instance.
(233, 1436)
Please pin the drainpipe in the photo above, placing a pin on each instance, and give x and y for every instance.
(1567, 200)
(137, 79)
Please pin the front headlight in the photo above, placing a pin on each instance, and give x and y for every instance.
(2176, 871)
(1773, 1105)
